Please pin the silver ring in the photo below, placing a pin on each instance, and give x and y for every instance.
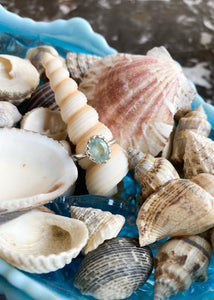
(97, 150)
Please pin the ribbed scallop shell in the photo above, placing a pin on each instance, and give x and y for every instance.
(180, 207)
(199, 155)
(178, 263)
(102, 225)
(194, 121)
(82, 123)
(40, 242)
(150, 172)
(136, 96)
(9, 114)
(115, 269)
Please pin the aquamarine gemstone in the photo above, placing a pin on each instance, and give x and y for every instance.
(98, 150)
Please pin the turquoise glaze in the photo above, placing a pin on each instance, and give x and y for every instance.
(76, 35)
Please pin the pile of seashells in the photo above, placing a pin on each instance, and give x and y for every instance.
(139, 106)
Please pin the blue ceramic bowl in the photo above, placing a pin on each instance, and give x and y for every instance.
(16, 36)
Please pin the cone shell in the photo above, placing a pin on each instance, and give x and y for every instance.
(180, 207)
(150, 172)
(82, 123)
(115, 269)
(137, 96)
(199, 155)
(178, 263)
(40, 242)
(194, 121)
(102, 225)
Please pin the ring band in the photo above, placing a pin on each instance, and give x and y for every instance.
(97, 150)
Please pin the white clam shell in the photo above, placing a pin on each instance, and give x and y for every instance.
(9, 114)
(40, 242)
(34, 169)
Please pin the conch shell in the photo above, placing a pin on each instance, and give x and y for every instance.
(115, 269)
(193, 121)
(136, 96)
(199, 155)
(102, 225)
(179, 262)
(150, 172)
(9, 114)
(82, 124)
(180, 207)
(40, 242)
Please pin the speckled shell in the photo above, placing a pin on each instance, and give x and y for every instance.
(199, 155)
(137, 96)
(79, 63)
(115, 269)
(180, 207)
(194, 121)
(41, 242)
(150, 172)
(179, 262)
(9, 114)
(102, 225)
(82, 123)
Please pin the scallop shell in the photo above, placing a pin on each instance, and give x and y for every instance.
(198, 156)
(178, 263)
(136, 96)
(9, 114)
(45, 121)
(34, 169)
(102, 225)
(79, 63)
(18, 78)
(194, 121)
(180, 207)
(82, 123)
(40, 242)
(150, 172)
(115, 269)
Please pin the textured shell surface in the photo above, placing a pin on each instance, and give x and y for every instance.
(102, 225)
(137, 96)
(179, 262)
(41, 242)
(194, 121)
(180, 207)
(206, 181)
(19, 78)
(45, 121)
(82, 123)
(198, 155)
(9, 114)
(150, 172)
(115, 269)
(37, 167)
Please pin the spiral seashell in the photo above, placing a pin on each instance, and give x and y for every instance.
(43, 96)
(180, 207)
(9, 114)
(115, 269)
(79, 63)
(136, 96)
(102, 225)
(150, 172)
(199, 155)
(82, 123)
(196, 121)
(179, 262)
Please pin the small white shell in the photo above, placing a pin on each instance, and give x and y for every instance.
(40, 242)
(9, 114)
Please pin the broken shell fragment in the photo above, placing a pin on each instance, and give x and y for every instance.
(179, 262)
(9, 114)
(18, 78)
(37, 167)
(45, 121)
(41, 242)
(115, 269)
(102, 225)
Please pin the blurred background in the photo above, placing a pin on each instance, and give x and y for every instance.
(184, 27)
